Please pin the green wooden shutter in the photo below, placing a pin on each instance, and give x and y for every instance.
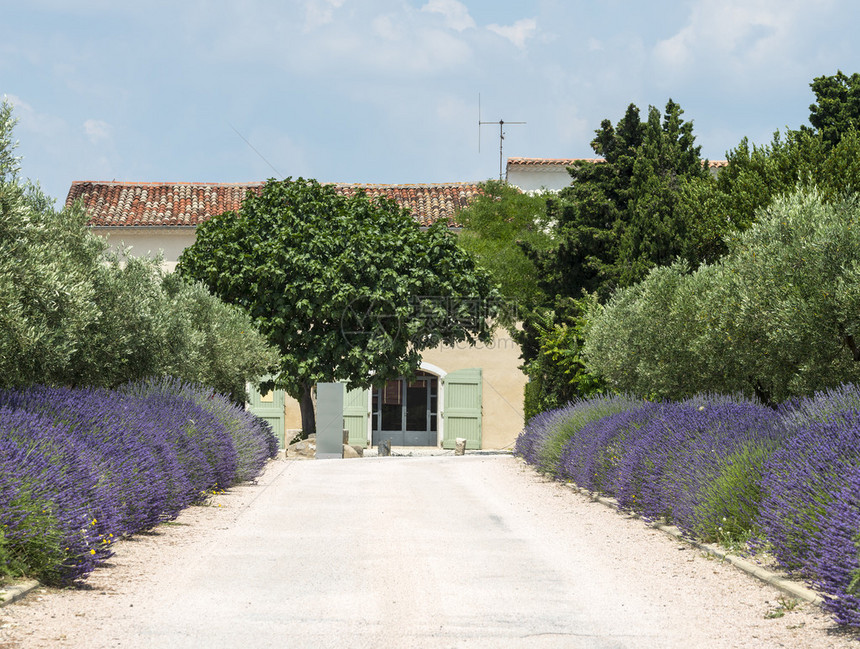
(355, 415)
(270, 408)
(462, 408)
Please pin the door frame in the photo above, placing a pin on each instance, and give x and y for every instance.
(440, 374)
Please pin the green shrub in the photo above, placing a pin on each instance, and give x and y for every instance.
(577, 415)
(557, 372)
(775, 318)
(729, 505)
(41, 552)
(73, 314)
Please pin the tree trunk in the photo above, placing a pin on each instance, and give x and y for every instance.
(852, 345)
(763, 395)
(306, 406)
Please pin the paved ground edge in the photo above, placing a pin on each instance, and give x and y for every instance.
(792, 588)
(16, 591)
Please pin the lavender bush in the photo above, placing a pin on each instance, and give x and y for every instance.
(55, 513)
(803, 478)
(543, 440)
(529, 443)
(697, 463)
(835, 551)
(592, 456)
(81, 467)
(726, 469)
(252, 437)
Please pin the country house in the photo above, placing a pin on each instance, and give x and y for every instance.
(470, 392)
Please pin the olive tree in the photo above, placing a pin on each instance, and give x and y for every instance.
(72, 313)
(775, 318)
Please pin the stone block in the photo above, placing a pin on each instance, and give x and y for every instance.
(349, 452)
(385, 448)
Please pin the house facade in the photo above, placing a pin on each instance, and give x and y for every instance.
(462, 391)
(536, 174)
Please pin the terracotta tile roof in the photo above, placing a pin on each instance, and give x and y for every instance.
(118, 204)
(568, 162)
(549, 162)
(428, 202)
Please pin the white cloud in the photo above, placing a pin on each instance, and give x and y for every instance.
(32, 121)
(744, 33)
(400, 43)
(423, 52)
(387, 27)
(517, 33)
(571, 127)
(320, 12)
(456, 13)
(97, 130)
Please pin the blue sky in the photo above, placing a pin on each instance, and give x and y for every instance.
(386, 91)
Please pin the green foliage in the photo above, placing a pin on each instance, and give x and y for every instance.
(775, 318)
(651, 203)
(621, 217)
(496, 225)
(728, 509)
(41, 552)
(837, 107)
(213, 343)
(651, 339)
(557, 373)
(9, 166)
(46, 292)
(616, 220)
(798, 271)
(71, 313)
(129, 335)
(347, 288)
(757, 175)
(825, 156)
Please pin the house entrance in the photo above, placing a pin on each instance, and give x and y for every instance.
(406, 412)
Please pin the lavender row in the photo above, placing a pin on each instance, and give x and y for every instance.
(726, 469)
(80, 468)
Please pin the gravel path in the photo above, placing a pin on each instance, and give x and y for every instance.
(411, 552)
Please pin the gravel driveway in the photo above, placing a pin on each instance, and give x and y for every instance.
(474, 551)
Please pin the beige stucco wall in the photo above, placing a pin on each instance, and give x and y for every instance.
(146, 241)
(501, 393)
(502, 389)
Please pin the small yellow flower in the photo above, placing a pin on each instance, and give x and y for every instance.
(92, 551)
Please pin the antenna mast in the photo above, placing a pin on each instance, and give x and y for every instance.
(501, 124)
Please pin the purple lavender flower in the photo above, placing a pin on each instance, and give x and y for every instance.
(834, 553)
(725, 464)
(81, 467)
(801, 480)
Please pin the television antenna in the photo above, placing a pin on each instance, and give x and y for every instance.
(501, 124)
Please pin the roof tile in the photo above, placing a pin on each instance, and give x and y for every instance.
(568, 162)
(122, 204)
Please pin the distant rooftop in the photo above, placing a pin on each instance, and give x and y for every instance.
(131, 204)
(568, 162)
